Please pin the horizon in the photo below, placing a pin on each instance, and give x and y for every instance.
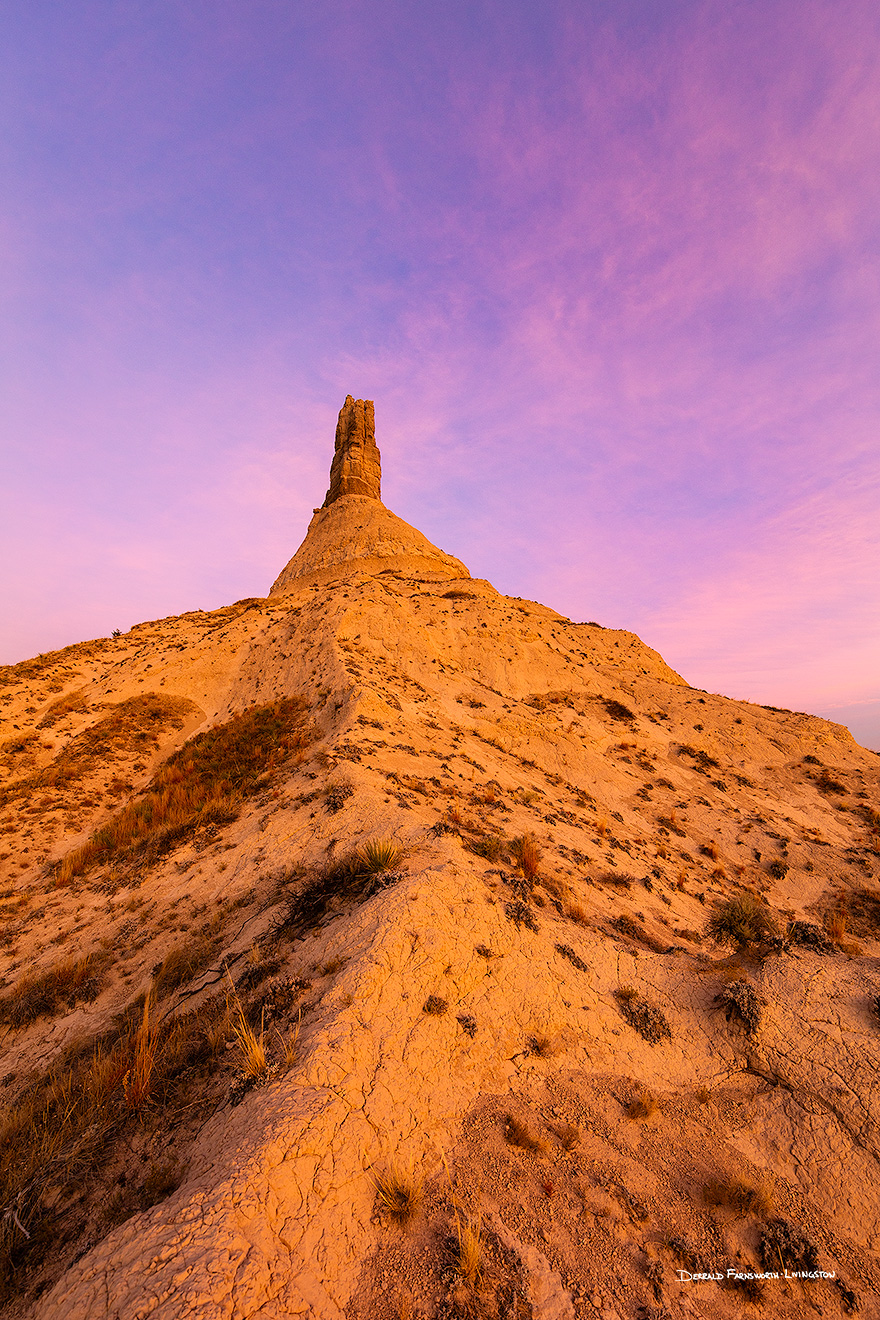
(609, 276)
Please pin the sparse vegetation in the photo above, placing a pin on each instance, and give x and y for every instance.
(398, 1195)
(567, 952)
(527, 854)
(742, 920)
(809, 936)
(183, 963)
(744, 1197)
(782, 1246)
(648, 1021)
(337, 794)
(778, 868)
(435, 1006)
(72, 981)
(468, 1258)
(617, 710)
(350, 879)
(642, 1106)
(201, 783)
(741, 1005)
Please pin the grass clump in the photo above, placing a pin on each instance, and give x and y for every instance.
(181, 964)
(468, 1256)
(526, 853)
(744, 1197)
(567, 952)
(72, 981)
(398, 1195)
(742, 920)
(642, 1106)
(202, 782)
(435, 1006)
(350, 879)
(741, 1005)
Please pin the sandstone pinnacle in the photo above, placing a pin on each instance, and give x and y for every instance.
(353, 531)
(356, 467)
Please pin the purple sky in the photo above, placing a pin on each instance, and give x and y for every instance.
(609, 268)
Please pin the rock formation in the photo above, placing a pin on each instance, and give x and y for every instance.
(474, 909)
(356, 467)
(353, 532)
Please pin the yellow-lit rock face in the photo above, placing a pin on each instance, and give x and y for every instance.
(461, 720)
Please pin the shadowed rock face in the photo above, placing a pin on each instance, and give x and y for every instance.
(356, 467)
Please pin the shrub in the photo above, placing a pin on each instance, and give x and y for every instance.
(809, 936)
(567, 952)
(742, 920)
(489, 847)
(649, 1022)
(617, 710)
(520, 914)
(435, 1006)
(336, 795)
(778, 868)
(740, 1004)
(784, 1246)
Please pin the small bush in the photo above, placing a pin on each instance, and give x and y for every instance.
(468, 1024)
(399, 1196)
(742, 920)
(572, 957)
(740, 1004)
(435, 1006)
(778, 868)
(806, 934)
(336, 795)
(520, 914)
(489, 847)
(649, 1022)
(784, 1246)
(617, 710)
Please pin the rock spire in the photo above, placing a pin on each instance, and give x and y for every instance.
(356, 467)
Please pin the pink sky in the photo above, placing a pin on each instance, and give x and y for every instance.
(610, 271)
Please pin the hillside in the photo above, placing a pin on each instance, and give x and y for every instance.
(451, 860)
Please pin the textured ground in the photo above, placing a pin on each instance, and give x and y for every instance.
(439, 702)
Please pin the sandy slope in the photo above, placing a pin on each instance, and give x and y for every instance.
(437, 699)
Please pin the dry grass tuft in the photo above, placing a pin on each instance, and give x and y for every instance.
(399, 1195)
(183, 963)
(468, 1262)
(380, 855)
(138, 1080)
(742, 920)
(526, 854)
(743, 1197)
(72, 981)
(642, 1106)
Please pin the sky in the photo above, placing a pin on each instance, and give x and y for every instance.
(609, 269)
